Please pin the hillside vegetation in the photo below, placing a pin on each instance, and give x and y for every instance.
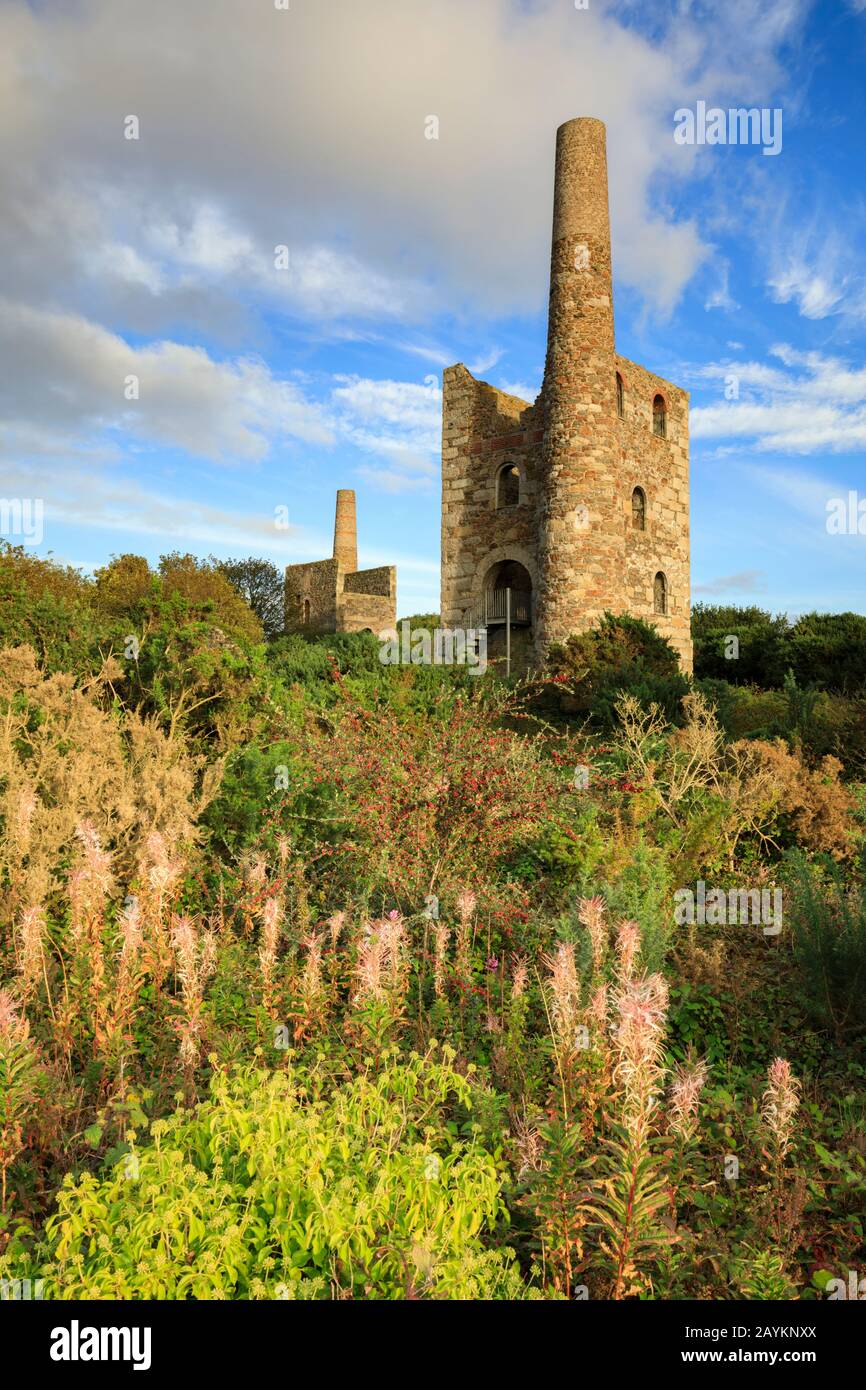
(321, 978)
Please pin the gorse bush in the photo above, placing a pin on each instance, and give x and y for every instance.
(65, 758)
(620, 654)
(313, 662)
(126, 587)
(715, 793)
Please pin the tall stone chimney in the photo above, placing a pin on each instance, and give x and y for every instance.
(345, 531)
(576, 547)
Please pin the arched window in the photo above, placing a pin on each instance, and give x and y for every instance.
(660, 417)
(638, 509)
(620, 397)
(306, 612)
(508, 486)
(660, 593)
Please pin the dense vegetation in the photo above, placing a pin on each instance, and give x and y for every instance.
(322, 978)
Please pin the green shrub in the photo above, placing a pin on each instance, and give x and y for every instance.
(46, 606)
(829, 650)
(619, 655)
(268, 1190)
(828, 924)
(745, 711)
(762, 652)
(642, 893)
(255, 782)
(826, 650)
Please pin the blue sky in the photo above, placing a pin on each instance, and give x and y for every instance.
(263, 387)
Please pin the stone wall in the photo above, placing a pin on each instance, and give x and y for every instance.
(355, 612)
(368, 600)
(483, 430)
(382, 581)
(660, 467)
(317, 584)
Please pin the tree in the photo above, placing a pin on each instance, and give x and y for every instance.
(829, 650)
(261, 585)
(125, 587)
(760, 655)
(209, 594)
(47, 606)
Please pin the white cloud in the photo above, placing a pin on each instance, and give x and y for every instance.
(720, 297)
(805, 492)
(107, 501)
(811, 263)
(305, 127)
(413, 406)
(65, 382)
(812, 404)
(813, 293)
(112, 259)
(400, 421)
(391, 481)
(523, 390)
(485, 362)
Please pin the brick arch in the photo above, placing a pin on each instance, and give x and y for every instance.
(664, 414)
(495, 478)
(493, 557)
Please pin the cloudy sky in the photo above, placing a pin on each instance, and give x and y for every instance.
(267, 378)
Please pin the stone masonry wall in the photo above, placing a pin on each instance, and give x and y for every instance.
(316, 582)
(660, 467)
(355, 612)
(368, 600)
(484, 429)
(382, 581)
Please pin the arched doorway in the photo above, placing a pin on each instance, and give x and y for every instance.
(499, 604)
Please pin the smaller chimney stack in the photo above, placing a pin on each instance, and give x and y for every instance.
(345, 531)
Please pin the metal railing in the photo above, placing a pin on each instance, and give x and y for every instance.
(501, 606)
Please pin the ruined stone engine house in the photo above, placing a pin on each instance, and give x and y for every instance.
(334, 595)
(578, 503)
